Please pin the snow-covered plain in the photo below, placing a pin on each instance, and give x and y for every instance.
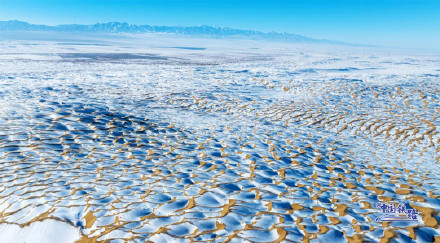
(159, 138)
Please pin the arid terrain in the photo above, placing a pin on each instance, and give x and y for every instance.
(162, 139)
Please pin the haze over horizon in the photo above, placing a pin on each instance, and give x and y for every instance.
(405, 23)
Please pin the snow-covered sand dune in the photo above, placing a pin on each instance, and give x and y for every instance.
(171, 139)
(46, 231)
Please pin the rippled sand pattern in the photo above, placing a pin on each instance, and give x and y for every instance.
(295, 148)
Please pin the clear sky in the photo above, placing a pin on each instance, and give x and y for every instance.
(404, 23)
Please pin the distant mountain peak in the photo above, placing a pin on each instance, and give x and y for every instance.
(123, 27)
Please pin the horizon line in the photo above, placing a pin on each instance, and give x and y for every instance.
(192, 26)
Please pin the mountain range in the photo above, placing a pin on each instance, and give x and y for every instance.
(201, 31)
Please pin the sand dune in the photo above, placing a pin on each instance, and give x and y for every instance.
(217, 142)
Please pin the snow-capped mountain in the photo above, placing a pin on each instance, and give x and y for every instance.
(118, 27)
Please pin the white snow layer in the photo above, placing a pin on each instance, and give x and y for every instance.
(47, 231)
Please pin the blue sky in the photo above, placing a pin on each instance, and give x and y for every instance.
(403, 23)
